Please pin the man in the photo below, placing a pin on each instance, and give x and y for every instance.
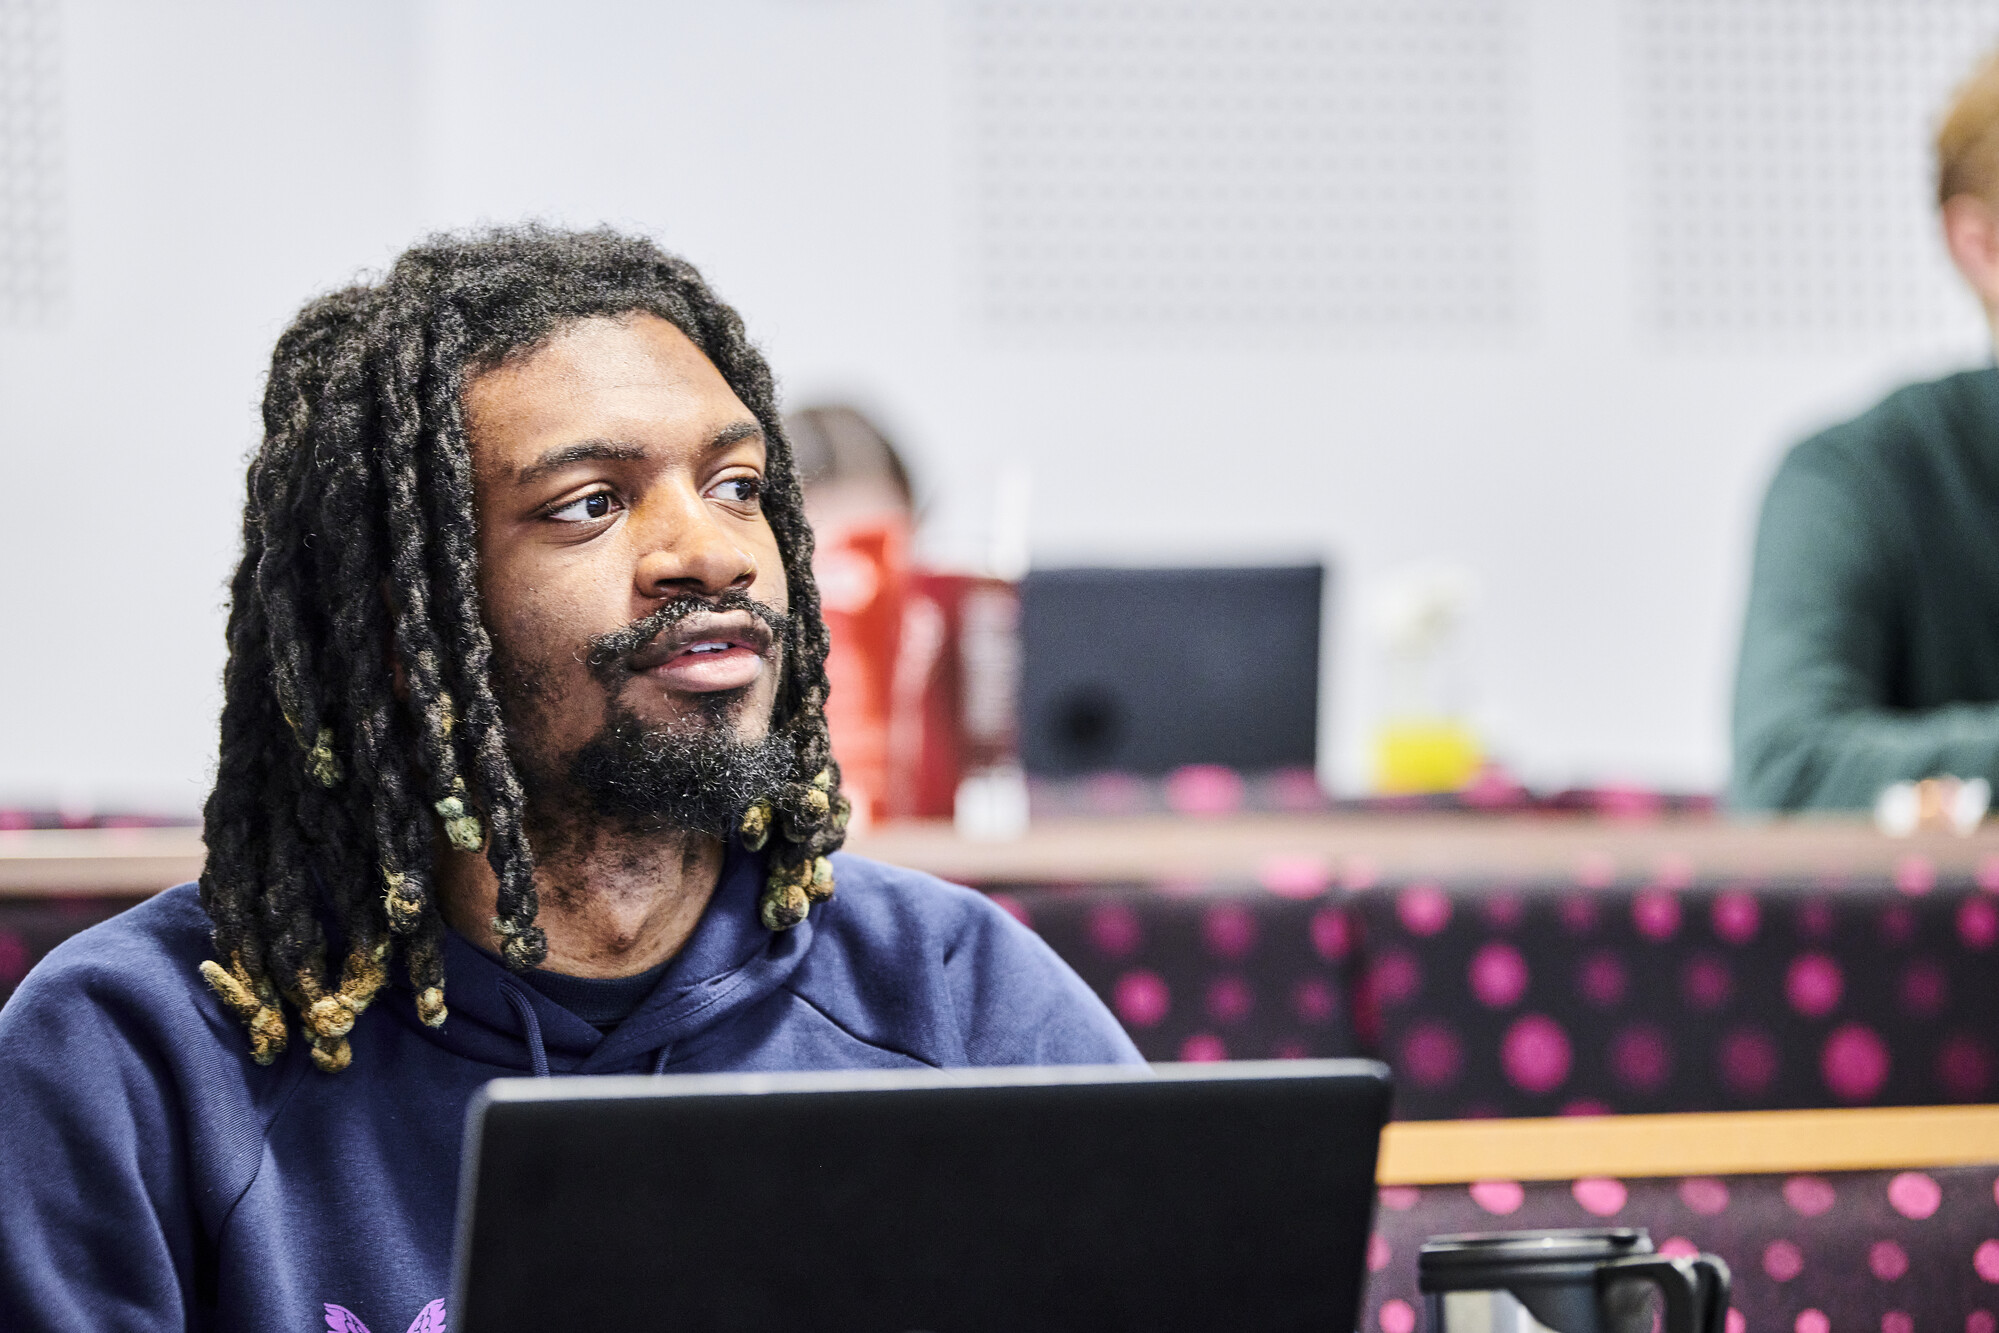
(1871, 649)
(523, 769)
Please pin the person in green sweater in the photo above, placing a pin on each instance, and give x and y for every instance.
(1870, 652)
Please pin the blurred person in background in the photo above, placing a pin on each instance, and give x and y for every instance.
(859, 502)
(1870, 652)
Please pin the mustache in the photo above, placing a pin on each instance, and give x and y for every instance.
(608, 651)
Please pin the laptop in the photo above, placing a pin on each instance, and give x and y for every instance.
(1234, 1196)
(1144, 670)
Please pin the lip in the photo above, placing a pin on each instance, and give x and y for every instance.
(707, 652)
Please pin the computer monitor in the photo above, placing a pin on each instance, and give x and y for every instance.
(1144, 670)
(1179, 1197)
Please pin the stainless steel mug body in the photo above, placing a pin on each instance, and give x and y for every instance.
(1607, 1280)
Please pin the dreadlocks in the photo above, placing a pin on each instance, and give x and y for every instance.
(358, 539)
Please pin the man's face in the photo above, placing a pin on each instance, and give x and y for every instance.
(618, 481)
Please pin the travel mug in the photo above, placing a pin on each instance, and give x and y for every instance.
(1596, 1280)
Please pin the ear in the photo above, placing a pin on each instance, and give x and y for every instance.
(1971, 230)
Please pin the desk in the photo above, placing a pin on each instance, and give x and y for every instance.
(1876, 1219)
(1352, 849)
(1727, 1143)
(1357, 848)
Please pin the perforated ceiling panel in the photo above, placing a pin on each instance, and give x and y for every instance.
(30, 165)
(1219, 166)
(1785, 173)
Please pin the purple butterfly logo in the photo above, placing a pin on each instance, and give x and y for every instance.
(430, 1319)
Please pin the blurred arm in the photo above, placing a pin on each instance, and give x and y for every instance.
(1821, 640)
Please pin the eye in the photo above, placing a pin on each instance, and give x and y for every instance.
(742, 490)
(586, 509)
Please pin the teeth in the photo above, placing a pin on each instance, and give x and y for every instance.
(710, 648)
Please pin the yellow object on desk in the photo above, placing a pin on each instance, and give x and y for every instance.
(1417, 755)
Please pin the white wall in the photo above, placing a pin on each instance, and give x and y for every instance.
(812, 155)
(222, 161)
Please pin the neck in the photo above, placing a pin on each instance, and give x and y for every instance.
(614, 901)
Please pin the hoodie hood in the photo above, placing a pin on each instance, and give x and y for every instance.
(729, 963)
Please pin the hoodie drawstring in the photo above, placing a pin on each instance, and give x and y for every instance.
(531, 1030)
(530, 1026)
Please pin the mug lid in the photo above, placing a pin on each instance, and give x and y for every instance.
(1487, 1249)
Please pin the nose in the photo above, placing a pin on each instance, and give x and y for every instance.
(686, 547)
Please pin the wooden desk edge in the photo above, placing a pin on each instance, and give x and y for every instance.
(1145, 848)
(1438, 1152)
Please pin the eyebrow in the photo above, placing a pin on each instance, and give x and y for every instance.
(616, 451)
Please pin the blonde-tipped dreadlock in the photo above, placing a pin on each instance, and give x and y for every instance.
(333, 788)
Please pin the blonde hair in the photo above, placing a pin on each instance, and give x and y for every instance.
(1968, 139)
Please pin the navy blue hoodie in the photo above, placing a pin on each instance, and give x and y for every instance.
(153, 1177)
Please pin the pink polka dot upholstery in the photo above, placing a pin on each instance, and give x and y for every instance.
(1204, 789)
(1423, 908)
(1736, 916)
(1431, 1056)
(1656, 915)
(1924, 991)
(1600, 1196)
(1498, 975)
(1315, 1001)
(1602, 979)
(1708, 995)
(1748, 1062)
(1978, 923)
(1203, 1048)
(1498, 1197)
(1669, 993)
(1783, 1260)
(1394, 976)
(1915, 1194)
(1985, 1260)
(1396, 1317)
(1809, 1196)
(1813, 985)
(1332, 935)
(14, 958)
(1535, 1054)
(1115, 929)
(1641, 1057)
(1887, 1260)
(1230, 1000)
(30, 927)
(1706, 984)
(1229, 929)
(1141, 999)
(1705, 1195)
(1221, 971)
(1854, 1063)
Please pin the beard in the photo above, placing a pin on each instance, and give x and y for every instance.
(696, 773)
